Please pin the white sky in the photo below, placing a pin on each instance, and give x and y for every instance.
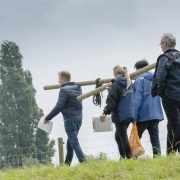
(86, 37)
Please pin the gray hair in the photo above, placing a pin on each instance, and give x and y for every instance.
(169, 39)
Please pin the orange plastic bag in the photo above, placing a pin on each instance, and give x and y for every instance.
(135, 144)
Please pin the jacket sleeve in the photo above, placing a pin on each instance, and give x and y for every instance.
(154, 82)
(59, 105)
(161, 75)
(112, 99)
(138, 96)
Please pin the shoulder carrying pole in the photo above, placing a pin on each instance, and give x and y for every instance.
(102, 88)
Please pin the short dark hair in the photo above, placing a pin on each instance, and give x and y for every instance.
(140, 64)
(65, 74)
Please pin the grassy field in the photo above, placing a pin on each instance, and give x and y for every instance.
(159, 168)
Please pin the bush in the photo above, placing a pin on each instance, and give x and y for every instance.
(30, 162)
(101, 157)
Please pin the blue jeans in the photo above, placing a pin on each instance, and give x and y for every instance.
(153, 128)
(72, 129)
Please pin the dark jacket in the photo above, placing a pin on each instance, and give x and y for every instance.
(167, 77)
(119, 102)
(67, 103)
(146, 107)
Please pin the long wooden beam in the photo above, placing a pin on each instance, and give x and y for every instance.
(102, 88)
(83, 83)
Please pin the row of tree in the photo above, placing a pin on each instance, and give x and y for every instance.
(19, 112)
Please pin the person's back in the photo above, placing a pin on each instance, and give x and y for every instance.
(120, 85)
(72, 108)
(67, 103)
(125, 106)
(146, 107)
(123, 111)
(169, 84)
(72, 114)
(166, 83)
(148, 110)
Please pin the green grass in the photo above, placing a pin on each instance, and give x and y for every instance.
(159, 168)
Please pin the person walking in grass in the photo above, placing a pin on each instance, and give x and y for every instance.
(119, 104)
(148, 110)
(166, 83)
(71, 109)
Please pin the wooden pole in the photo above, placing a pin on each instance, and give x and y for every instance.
(49, 87)
(91, 82)
(61, 151)
(95, 91)
(102, 88)
(83, 83)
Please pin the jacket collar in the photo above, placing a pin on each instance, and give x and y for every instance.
(170, 50)
(69, 83)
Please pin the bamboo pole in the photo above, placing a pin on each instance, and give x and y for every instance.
(102, 88)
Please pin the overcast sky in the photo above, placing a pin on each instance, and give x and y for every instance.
(85, 37)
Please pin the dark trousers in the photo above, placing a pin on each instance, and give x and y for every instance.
(153, 129)
(172, 110)
(121, 138)
(72, 129)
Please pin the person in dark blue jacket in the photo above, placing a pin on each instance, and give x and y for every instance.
(148, 110)
(166, 83)
(120, 105)
(72, 114)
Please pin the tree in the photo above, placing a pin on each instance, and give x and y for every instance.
(19, 113)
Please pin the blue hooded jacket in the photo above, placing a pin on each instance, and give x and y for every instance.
(146, 107)
(126, 106)
(120, 102)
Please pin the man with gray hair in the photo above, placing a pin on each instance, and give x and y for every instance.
(166, 84)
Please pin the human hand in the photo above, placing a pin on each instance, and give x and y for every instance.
(102, 117)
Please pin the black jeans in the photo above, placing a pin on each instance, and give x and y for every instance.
(121, 138)
(153, 129)
(172, 110)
